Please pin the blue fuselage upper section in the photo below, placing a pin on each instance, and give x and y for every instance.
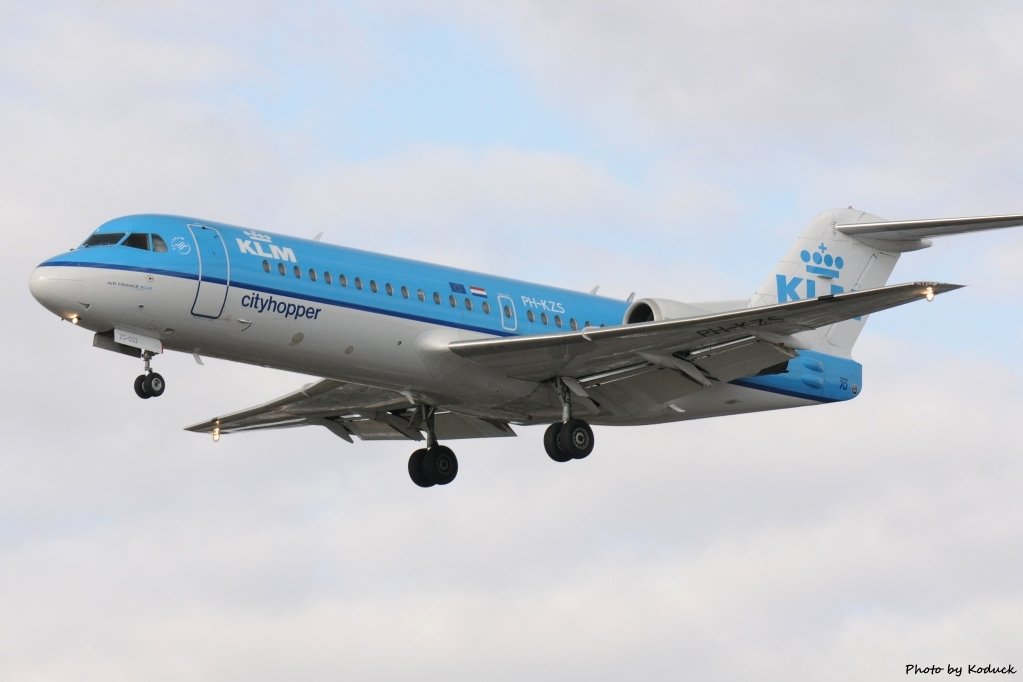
(272, 265)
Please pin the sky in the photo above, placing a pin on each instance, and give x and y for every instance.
(674, 149)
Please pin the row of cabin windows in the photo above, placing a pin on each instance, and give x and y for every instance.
(421, 295)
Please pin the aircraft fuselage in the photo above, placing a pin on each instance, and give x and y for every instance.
(221, 291)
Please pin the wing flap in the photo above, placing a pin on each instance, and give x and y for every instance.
(741, 358)
(454, 426)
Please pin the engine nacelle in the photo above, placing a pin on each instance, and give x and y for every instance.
(657, 309)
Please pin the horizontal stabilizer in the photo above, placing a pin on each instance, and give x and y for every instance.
(909, 235)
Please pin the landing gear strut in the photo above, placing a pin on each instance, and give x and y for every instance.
(435, 464)
(150, 384)
(570, 438)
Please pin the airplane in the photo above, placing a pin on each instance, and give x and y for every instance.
(410, 350)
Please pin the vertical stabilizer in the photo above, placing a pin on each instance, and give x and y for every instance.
(826, 261)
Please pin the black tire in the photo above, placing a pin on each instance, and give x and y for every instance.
(140, 387)
(416, 471)
(576, 438)
(440, 465)
(154, 385)
(550, 443)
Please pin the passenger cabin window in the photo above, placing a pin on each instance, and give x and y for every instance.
(486, 307)
(421, 295)
(389, 289)
(159, 245)
(343, 280)
(404, 291)
(312, 275)
(298, 272)
(452, 301)
(105, 239)
(373, 285)
(327, 278)
(436, 298)
(138, 240)
(281, 269)
(266, 266)
(530, 316)
(358, 283)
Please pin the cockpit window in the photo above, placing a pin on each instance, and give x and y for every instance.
(138, 240)
(104, 239)
(159, 245)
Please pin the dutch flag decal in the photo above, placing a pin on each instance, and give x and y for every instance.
(478, 291)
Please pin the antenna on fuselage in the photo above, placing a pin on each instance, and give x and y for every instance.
(318, 236)
(594, 289)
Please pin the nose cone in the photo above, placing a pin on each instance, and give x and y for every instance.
(59, 289)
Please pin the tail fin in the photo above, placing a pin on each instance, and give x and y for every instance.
(849, 250)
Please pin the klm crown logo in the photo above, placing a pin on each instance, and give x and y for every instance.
(824, 264)
(821, 264)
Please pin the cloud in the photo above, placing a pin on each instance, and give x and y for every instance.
(839, 541)
(868, 100)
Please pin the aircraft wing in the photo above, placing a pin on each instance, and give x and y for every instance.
(348, 410)
(722, 346)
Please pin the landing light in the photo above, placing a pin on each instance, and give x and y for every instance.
(73, 319)
(929, 293)
(216, 433)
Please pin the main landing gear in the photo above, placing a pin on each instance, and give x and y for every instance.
(150, 384)
(570, 438)
(435, 464)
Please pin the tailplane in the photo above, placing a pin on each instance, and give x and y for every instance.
(850, 250)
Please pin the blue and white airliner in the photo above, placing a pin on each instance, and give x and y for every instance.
(409, 350)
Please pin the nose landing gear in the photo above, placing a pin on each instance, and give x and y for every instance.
(150, 384)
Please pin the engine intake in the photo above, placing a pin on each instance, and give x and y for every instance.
(657, 309)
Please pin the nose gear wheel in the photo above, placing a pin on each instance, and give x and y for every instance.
(150, 384)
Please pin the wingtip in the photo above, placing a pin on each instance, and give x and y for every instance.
(940, 287)
(202, 427)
